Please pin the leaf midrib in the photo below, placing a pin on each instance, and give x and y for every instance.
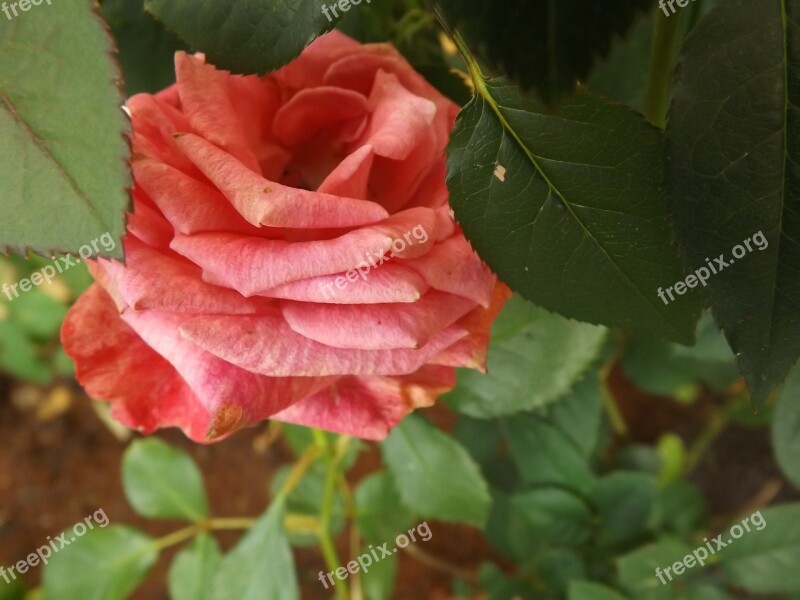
(48, 154)
(483, 92)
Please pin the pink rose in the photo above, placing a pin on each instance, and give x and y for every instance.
(290, 255)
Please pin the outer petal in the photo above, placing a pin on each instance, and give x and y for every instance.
(369, 407)
(112, 363)
(234, 397)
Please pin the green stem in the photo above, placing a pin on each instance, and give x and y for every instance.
(662, 57)
(298, 471)
(176, 537)
(325, 540)
(716, 425)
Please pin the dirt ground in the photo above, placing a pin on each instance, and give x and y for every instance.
(59, 463)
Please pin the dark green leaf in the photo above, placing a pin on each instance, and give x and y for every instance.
(732, 167)
(679, 507)
(624, 501)
(786, 428)
(193, 569)
(532, 368)
(104, 564)
(247, 37)
(162, 482)
(550, 45)
(660, 367)
(435, 476)
(146, 49)
(555, 515)
(568, 207)
(261, 565)
(63, 156)
(509, 530)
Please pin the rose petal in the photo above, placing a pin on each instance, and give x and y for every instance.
(452, 266)
(190, 205)
(369, 408)
(105, 349)
(207, 104)
(376, 326)
(267, 345)
(312, 111)
(150, 279)
(388, 284)
(264, 202)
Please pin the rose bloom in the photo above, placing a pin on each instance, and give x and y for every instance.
(290, 255)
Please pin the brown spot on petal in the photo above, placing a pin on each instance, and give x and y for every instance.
(267, 190)
(226, 420)
(177, 135)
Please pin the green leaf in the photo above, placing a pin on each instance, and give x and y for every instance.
(586, 590)
(660, 367)
(162, 482)
(765, 561)
(579, 415)
(544, 455)
(637, 570)
(732, 156)
(378, 582)
(40, 314)
(15, 590)
(531, 368)
(624, 502)
(786, 428)
(567, 207)
(380, 513)
(64, 152)
(19, 355)
(557, 567)
(435, 476)
(261, 566)
(550, 45)
(104, 564)
(679, 507)
(509, 530)
(246, 37)
(192, 571)
(146, 49)
(555, 515)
